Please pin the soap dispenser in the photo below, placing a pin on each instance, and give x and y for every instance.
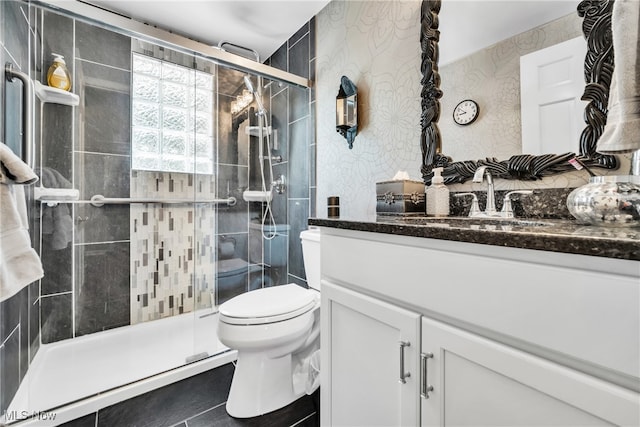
(58, 76)
(437, 195)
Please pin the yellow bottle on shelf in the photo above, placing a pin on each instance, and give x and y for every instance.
(58, 76)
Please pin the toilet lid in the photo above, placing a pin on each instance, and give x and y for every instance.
(268, 305)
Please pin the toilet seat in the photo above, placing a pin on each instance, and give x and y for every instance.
(268, 305)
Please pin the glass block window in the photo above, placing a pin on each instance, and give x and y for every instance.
(172, 117)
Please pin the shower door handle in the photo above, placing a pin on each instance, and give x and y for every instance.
(27, 100)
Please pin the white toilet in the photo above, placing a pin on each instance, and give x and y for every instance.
(274, 330)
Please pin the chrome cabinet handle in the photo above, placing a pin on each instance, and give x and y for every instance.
(403, 375)
(425, 387)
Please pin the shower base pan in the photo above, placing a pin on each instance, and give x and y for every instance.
(79, 376)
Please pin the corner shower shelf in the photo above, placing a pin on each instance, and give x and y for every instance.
(55, 96)
(255, 130)
(266, 131)
(53, 196)
(257, 196)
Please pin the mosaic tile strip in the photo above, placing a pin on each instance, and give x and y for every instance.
(172, 255)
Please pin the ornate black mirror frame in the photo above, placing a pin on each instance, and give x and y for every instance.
(598, 71)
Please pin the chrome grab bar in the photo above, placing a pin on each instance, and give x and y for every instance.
(99, 200)
(27, 101)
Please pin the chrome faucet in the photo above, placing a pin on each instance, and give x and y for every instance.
(490, 208)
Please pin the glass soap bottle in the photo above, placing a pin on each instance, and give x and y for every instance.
(437, 195)
(58, 76)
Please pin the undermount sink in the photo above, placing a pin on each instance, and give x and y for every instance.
(476, 222)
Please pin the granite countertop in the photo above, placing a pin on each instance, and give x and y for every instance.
(555, 235)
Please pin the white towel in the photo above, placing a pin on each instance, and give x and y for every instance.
(13, 170)
(622, 131)
(19, 262)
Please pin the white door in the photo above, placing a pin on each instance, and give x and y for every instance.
(369, 373)
(478, 382)
(551, 84)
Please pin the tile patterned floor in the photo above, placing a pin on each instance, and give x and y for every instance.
(198, 401)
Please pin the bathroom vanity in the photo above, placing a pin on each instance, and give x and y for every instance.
(458, 321)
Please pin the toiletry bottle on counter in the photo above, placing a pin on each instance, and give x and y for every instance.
(58, 76)
(437, 195)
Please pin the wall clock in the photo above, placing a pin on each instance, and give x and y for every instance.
(466, 112)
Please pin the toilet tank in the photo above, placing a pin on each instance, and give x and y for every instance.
(311, 255)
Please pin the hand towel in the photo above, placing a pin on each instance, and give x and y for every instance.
(56, 220)
(19, 263)
(13, 170)
(622, 131)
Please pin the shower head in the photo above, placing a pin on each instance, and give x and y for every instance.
(256, 94)
(248, 84)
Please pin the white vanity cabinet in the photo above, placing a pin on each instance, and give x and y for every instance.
(372, 353)
(477, 381)
(504, 336)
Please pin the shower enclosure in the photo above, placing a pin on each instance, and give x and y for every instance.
(139, 217)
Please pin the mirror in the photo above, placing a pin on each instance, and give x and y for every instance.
(347, 110)
(596, 26)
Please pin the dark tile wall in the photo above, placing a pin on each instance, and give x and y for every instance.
(102, 288)
(43, 312)
(102, 166)
(19, 342)
(54, 141)
(293, 113)
(232, 233)
(88, 148)
(198, 401)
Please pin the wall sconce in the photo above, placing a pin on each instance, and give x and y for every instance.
(347, 110)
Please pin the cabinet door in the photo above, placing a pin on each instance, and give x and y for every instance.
(477, 381)
(367, 345)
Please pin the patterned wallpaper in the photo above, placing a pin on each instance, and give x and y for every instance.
(376, 45)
